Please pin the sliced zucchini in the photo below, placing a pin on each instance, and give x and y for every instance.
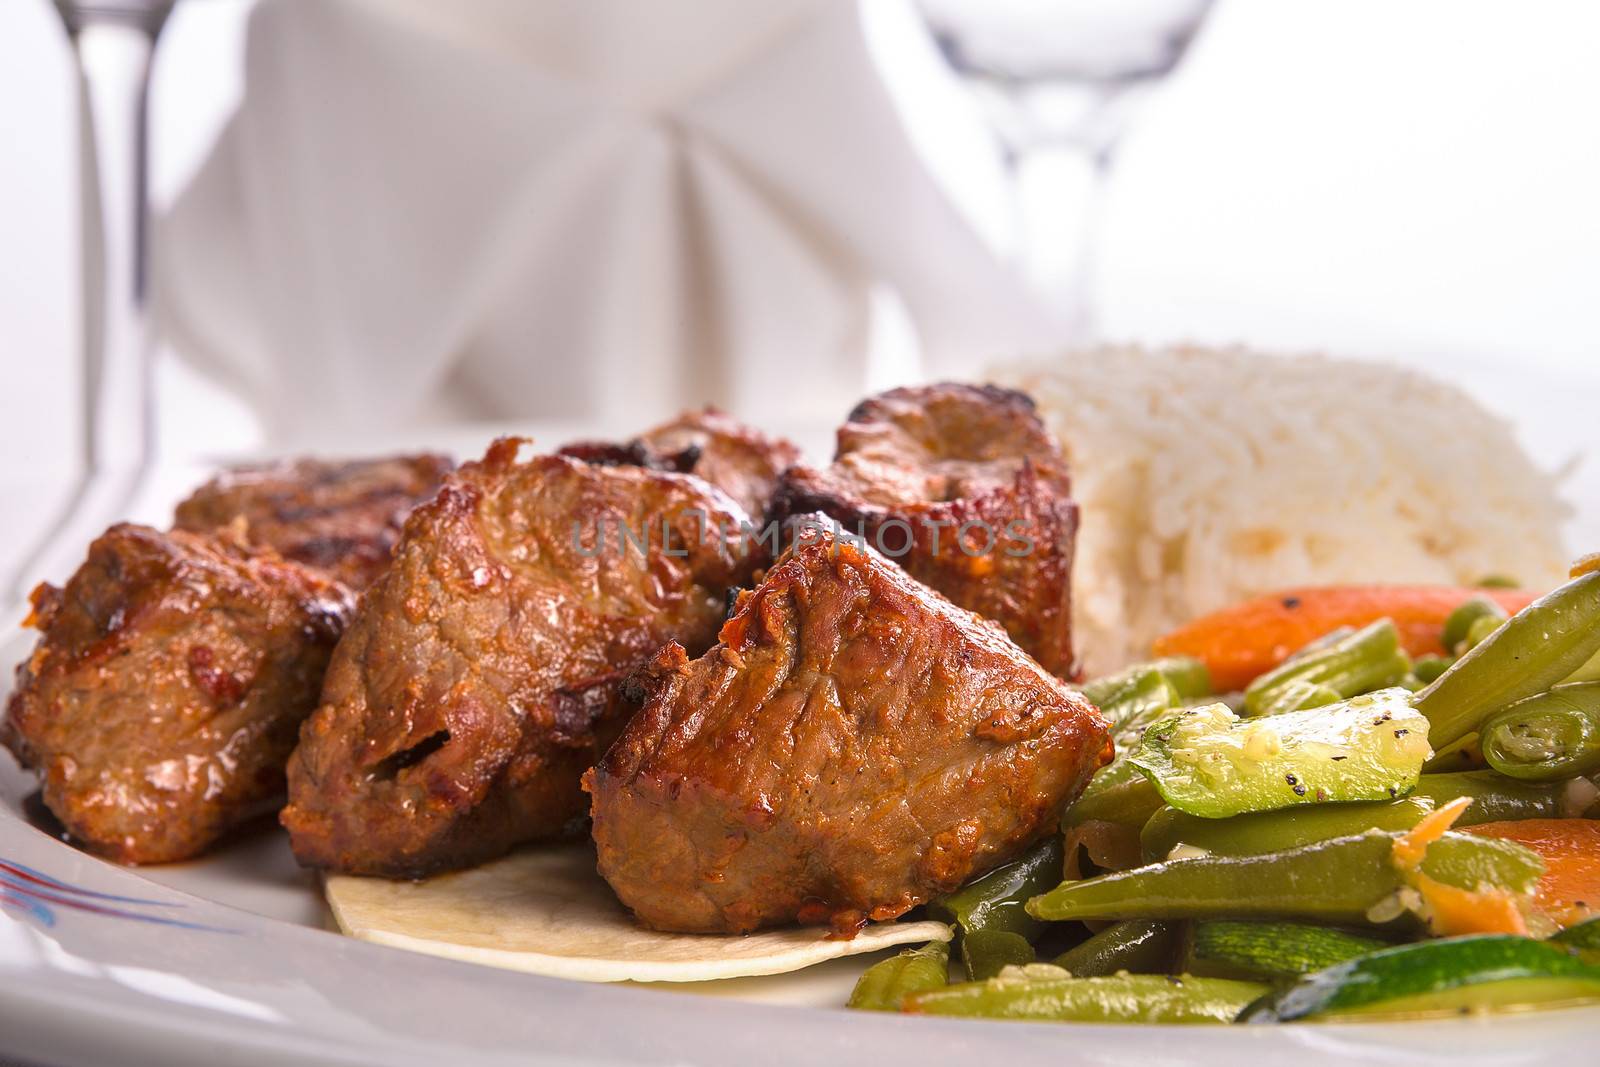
(1269, 951)
(1208, 762)
(1436, 977)
(1585, 937)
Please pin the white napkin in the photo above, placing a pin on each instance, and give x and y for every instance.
(573, 209)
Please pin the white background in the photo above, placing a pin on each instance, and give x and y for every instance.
(1407, 179)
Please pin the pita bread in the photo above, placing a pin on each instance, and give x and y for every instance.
(546, 911)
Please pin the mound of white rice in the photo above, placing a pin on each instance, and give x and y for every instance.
(1206, 476)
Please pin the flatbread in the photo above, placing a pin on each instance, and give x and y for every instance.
(546, 911)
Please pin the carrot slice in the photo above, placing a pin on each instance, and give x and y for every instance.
(1411, 846)
(1569, 892)
(1251, 638)
(1453, 911)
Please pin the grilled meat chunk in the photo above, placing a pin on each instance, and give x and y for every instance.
(343, 517)
(855, 745)
(963, 487)
(740, 460)
(483, 672)
(168, 686)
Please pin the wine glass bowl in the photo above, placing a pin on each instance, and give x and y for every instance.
(1054, 78)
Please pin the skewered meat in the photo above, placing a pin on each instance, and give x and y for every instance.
(168, 686)
(963, 487)
(483, 672)
(741, 461)
(342, 517)
(854, 745)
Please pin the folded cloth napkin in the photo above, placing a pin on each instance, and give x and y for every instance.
(600, 209)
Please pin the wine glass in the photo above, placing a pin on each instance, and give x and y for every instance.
(113, 41)
(1058, 81)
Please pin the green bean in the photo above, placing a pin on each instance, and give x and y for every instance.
(1317, 644)
(1366, 660)
(1532, 651)
(1462, 754)
(1188, 676)
(1550, 737)
(1427, 668)
(1494, 799)
(1139, 946)
(1275, 831)
(1338, 881)
(886, 984)
(1047, 994)
(985, 953)
(1299, 695)
(1119, 793)
(1138, 704)
(1584, 937)
(1589, 672)
(994, 905)
(1461, 619)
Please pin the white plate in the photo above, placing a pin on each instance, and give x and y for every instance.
(231, 960)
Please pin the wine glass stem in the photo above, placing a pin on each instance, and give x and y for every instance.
(1060, 194)
(118, 427)
(113, 43)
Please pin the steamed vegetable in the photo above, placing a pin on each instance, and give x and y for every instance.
(1208, 762)
(1584, 937)
(1552, 736)
(1493, 799)
(1269, 951)
(887, 983)
(1533, 650)
(1138, 703)
(1461, 621)
(1368, 659)
(989, 914)
(985, 953)
(1569, 888)
(1436, 976)
(1338, 881)
(1275, 831)
(1119, 793)
(1047, 993)
(1188, 677)
(1248, 639)
(1141, 946)
(1427, 668)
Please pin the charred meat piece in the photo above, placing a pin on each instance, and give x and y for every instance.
(741, 461)
(483, 672)
(342, 517)
(963, 487)
(855, 745)
(168, 686)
